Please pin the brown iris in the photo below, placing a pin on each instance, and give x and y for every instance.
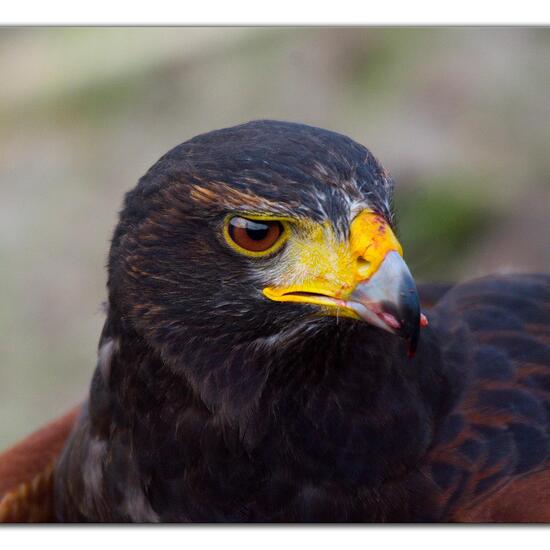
(254, 235)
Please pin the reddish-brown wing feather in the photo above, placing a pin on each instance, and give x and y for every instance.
(26, 493)
(491, 458)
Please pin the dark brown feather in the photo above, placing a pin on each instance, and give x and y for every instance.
(492, 453)
(211, 403)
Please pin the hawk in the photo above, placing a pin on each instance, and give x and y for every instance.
(268, 357)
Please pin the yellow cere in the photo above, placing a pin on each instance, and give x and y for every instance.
(317, 268)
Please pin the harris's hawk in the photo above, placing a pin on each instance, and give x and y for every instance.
(265, 359)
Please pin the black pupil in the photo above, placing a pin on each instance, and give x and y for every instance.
(257, 231)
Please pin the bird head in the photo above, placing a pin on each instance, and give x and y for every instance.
(248, 234)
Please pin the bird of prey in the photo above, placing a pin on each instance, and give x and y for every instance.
(267, 357)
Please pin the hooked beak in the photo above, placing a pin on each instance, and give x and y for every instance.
(389, 300)
(367, 280)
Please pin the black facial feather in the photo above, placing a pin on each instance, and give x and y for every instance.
(172, 277)
(212, 403)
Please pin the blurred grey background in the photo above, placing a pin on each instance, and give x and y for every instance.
(460, 117)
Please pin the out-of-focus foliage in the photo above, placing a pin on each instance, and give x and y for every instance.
(458, 116)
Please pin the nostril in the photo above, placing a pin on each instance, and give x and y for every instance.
(363, 266)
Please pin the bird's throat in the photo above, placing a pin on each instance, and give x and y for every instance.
(300, 433)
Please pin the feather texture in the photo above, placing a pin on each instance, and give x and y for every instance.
(212, 403)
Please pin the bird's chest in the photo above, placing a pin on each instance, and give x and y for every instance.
(329, 451)
(300, 472)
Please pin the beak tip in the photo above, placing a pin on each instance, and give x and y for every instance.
(391, 296)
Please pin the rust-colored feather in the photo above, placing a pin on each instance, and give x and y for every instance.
(491, 457)
(26, 473)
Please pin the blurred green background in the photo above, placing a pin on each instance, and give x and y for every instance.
(460, 117)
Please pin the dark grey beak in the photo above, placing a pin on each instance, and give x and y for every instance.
(389, 300)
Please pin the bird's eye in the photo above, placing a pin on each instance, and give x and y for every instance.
(254, 236)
